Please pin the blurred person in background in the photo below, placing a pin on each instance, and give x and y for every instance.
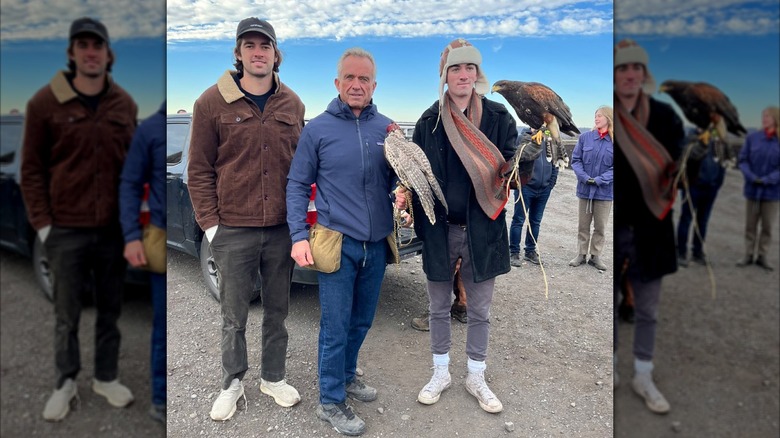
(77, 132)
(759, 161)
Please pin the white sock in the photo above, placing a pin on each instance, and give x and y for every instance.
(441, 360)
(476, 366)
(643, 366)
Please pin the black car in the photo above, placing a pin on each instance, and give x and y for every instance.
(16, 233)
(184, 233)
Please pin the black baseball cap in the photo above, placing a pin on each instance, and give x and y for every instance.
(88, 25)
(253, 24)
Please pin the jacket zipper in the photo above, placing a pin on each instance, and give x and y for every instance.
(365, 169)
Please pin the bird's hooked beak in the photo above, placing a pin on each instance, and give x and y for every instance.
(664, 88)
(495, 88)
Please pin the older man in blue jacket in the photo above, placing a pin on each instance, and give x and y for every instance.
(145, 164)
(342, 151)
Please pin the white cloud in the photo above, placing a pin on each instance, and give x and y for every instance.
(193, 20)
(51, 19)
(697, 17)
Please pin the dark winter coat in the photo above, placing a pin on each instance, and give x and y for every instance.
(488, 239)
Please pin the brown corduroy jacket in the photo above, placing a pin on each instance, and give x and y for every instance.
(239, 157)
(72, 156)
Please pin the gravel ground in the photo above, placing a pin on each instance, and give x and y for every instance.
(27, 373)
(549, 360)
(717, 359)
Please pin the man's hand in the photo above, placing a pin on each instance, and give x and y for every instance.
(134, 253)
(301, 253)
(43, 233)
(400, 198)
(211, 232)
(406, 220)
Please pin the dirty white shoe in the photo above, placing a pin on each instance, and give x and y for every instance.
(118, 395)
(58, 405)
(644, 386)
(225, 405)
(476, 386)
(440, 381)
(284, 395)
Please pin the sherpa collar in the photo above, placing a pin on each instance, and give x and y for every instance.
(62, 89)
(229, 90)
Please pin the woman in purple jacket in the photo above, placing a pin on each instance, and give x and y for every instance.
(759, 161)
(592, 163)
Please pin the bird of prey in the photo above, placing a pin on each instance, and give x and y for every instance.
(413, 169)
(541, 108)
(706, 107)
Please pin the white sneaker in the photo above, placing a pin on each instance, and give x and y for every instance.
(476, 386)
(117, 394)
(440, 381)
(284, 395)
(225, 405)
(58, 405)
(644, 386)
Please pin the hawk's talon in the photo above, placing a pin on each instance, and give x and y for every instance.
(537, 137)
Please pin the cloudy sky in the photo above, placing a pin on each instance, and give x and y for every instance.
(564, 44)
(734, 45)
(34, 35)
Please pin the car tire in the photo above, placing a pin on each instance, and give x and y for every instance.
(211, 273)
(43, 274)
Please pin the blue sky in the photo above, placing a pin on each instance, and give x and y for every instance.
(733, 45)
(34, 37)
(566, 45)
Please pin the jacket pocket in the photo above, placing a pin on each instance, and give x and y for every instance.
(609, 157)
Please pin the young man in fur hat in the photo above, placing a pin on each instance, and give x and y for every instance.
(643, 197)
(77, 132)
(460, 134)
(238, 193)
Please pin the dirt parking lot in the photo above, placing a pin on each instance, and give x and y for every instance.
(549, 361)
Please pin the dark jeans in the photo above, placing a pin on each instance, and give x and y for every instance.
(348, 300)
(159, 349)
(238, 253)
(78, 257)
(535, 201)
(702, 199)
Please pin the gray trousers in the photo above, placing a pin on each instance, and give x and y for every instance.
(79, 257)
(766, 213)
(238, 253)
(646, 297)
(596, 212)
(480, 296)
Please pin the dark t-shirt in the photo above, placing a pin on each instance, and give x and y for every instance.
(259, 100)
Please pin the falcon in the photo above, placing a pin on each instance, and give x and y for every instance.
(413, 169)
(541, 108)
(706, 107)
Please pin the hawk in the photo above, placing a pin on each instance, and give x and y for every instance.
(541, 108)
(413, 169)
(706, 107)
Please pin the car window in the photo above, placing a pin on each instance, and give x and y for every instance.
(177, 135)
(10, 141)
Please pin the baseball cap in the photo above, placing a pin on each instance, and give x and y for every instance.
(253, 24)
(88, 25)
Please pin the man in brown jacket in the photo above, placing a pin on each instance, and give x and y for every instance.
(77, 132)
(244, 133)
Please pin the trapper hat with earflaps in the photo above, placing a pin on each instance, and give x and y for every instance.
(627, 51)
(460, 51)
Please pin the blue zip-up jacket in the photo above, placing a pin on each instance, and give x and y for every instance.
(344, 155)
(544, 174)
(593, 157)
(760, 158)
(145, 163)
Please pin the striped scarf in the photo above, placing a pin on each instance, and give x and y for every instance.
(650, 161)
(479, 155)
